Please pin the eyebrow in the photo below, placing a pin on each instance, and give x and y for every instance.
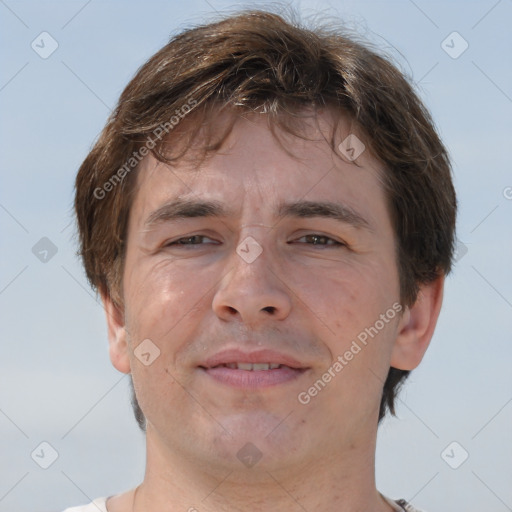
(187, 208)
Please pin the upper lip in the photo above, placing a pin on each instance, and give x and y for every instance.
(259, 356)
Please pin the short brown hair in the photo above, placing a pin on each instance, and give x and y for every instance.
(256, 61)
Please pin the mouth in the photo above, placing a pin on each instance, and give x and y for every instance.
(252, 366)
(254, 370)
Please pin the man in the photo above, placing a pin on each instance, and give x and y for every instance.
(269, 218)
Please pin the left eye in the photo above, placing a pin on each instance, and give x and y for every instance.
(320, 240)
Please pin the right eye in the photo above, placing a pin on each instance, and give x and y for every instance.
(188, 240)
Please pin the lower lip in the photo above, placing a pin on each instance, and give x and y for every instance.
(253, 379)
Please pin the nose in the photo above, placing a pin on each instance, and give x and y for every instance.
(252, 291)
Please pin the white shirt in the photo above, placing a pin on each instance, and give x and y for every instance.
(100, 505)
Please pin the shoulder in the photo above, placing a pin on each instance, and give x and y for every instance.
(98, 505)
(407, 506)
(400, 505)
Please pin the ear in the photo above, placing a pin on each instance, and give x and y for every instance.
(118, 344)
(417, 325)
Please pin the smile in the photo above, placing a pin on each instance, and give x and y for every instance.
(252, 376)
(252, 366)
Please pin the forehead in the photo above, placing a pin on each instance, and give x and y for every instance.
(264, 166)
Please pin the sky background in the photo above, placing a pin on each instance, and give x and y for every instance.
(56, 382)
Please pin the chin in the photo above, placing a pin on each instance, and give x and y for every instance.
(259, 440)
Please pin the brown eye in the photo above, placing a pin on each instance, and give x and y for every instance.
(189, 240)
(316, 239)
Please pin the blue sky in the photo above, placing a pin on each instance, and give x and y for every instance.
(57, 384)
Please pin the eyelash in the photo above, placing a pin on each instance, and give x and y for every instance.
(335, 244)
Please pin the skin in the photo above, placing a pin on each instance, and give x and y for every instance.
(308, 300)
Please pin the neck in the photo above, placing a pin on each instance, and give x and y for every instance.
(339, 481)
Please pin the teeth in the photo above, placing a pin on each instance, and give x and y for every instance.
(244, 366)
(252, 366)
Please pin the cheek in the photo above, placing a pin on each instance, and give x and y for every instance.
(160, 392)
(162, 295)
(345, 295)
(351, 301)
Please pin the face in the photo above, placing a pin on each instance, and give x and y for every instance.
(291, 262)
